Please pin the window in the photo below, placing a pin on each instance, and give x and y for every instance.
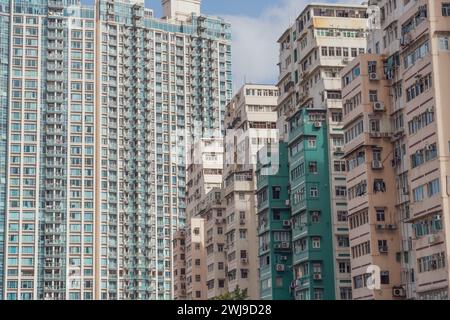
(344, 266)
(379, 186)
(382, 246)
(343, 241)
(433, 188)
(384, 277)
(318, 294)
(446, 9)
(276, 191)
(314, 192)
(315, 216)
(345, 293)
(340, 191)
(418, 194)
(336, 116)
(276, 214)
(431, 263)
(380, 215)
(372, 66)
(443, 44)
(422, 84)
(311, 143)
(316, 243)
(342, 216)
(313, 167)
(339, 166)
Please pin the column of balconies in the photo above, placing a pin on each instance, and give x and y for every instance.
(55, 153)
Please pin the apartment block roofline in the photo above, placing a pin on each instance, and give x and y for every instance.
(364, 5)
(286, 32)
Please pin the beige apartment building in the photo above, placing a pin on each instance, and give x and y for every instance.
(204, 179)
(250, 122)
(374, 236)
(410, 41)
(179, 265)
(215, 224)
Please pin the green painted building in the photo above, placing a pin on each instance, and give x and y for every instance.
(312, 243)
(274, 224)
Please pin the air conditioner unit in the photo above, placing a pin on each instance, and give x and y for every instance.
(287, 203)
(373, 76)
(286, 223)
(277, 246)
(378, 106)
(398, 292)
(380, 226)
(317, 124)
(283, 258)
(339, 149)
(285, 245)
(383, 249)
(375, 134)
(432, 239)
(244, 260)
(376, 164)
(317, 276)
(392, 227)
(280, 267)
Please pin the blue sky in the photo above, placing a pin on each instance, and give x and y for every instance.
(256, 27)
(246, 7)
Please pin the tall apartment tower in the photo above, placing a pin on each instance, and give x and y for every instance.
(374, 234)
(411, 44)
(204, 176)
(274, 223)
(251, 124)
(323, 40)
(199, 264)
(100, 105)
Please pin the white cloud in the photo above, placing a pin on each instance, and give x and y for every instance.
(255, 48)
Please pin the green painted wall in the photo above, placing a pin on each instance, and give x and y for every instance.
(274, 218)
(311, 206)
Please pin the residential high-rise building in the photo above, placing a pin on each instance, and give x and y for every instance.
(323, 39)
(310, 201)
(100, 105)
(404, 88)
(274, 223)
(204, 176)
(179, 265)
(374, 236)
(251, 125)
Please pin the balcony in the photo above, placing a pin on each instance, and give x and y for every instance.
(302, 282)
